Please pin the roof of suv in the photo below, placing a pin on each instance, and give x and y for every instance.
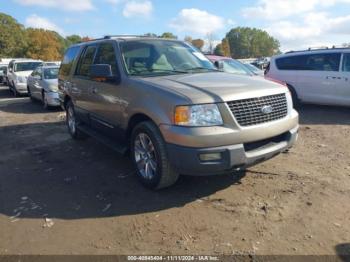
(314, 51)
(125, 38)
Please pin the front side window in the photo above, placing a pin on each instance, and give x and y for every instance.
(68, 60)
(51, 73)
(312, 62)
(106, 55)
(85, 61)
(346, 63)
(156, 57)
(26, 66)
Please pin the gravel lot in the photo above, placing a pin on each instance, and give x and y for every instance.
(59, 196)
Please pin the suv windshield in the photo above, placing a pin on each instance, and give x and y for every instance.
(158, 57)
(26, 66)
(51, 73)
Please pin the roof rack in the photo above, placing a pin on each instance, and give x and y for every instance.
(111, 37)
(124, 36)
(319, 48)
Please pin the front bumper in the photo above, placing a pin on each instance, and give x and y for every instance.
(187, 160)
(53, 99)
(21, 88)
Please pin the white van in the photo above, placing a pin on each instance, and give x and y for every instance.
(18, 72)
(314, 76)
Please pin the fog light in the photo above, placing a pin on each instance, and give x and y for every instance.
(210, 157)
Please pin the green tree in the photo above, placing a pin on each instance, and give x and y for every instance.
(12, 37)
(43, 44)
(226, 50)
(72, 39)
(199, 43)
(218, 50)
(246, 42)
(168, 35)
(151, 35)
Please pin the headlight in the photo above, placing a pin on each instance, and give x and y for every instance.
(198, 115)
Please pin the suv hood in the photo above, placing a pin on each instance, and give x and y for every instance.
(23, 73)
(216, 87)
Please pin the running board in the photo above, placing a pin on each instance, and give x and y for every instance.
(121, 149)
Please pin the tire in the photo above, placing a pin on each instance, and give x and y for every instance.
(159, 173)
(30, 95)
(296, 100)
(72, 123)
(45, 103)
(14, 91)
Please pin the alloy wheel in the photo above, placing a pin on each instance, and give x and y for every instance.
(145, 156)
(71, 120)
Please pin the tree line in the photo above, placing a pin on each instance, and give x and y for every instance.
(18, 41)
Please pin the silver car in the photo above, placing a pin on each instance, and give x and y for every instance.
(43, 85)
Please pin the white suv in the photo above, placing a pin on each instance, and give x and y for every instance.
(18, 72)
(315, 76)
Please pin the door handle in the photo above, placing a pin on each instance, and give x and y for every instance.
(333, 77)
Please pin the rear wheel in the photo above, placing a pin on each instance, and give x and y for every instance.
(72, 123)
(149, 155)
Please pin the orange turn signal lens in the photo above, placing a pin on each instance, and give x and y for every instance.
(181, 115)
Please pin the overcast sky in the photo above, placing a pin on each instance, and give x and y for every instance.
(295, 23)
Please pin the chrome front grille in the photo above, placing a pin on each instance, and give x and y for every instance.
(254, 111)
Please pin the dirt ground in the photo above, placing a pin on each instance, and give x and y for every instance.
(59, 196)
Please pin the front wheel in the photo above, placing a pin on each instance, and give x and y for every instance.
(45, 103)
(71, 122)
(149, 155)
(14, 90)
(30, 94)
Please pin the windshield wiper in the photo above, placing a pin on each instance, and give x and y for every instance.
(202, 68)
(159, 70)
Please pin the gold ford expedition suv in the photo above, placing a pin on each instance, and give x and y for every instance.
(167, 105)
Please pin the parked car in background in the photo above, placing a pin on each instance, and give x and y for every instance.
(3, 74)
(42, 85)
(170, 106)
(52, 63)
(18, 72)
(319, 76)
(229, 65)
(254, 69)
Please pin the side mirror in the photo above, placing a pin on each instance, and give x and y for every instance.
(101, 72)
(219, 65)
(10, 70)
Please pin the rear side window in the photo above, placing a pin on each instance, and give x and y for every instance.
(106, 55)
(85, 61)
(312, 62)
(68, 60)
(346, 63)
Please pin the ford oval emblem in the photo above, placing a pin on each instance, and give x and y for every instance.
(266, 110)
